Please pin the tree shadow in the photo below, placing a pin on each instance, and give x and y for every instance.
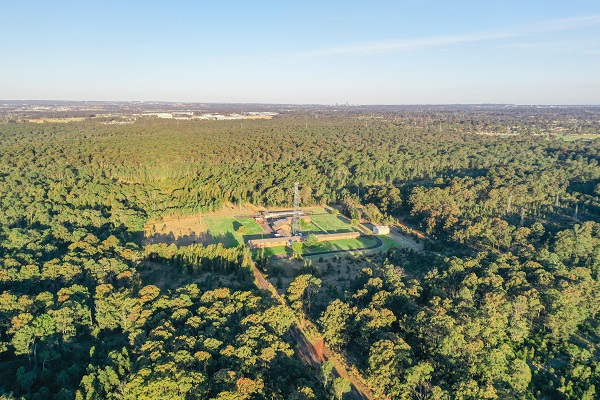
(182, 240)
(347, 221)
(341, 230)
(256, 236)
(369, 225)
(344, 219)
(227, 239)
(237, 225)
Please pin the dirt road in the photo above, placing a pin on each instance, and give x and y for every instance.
(313, 355)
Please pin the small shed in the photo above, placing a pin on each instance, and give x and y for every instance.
(381, 230)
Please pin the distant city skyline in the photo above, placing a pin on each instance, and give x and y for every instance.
(383, 52)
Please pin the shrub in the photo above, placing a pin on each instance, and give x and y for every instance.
(311, 241)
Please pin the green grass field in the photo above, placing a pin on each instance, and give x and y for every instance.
(309, 227)
(346, 244)
(230, 231)
(276, 251)
(332, 223)
(394, 242)
(315, 210)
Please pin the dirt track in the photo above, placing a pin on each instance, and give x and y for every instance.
(309, 353)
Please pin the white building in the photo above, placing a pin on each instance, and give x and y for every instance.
(159, 115)
(381, 230)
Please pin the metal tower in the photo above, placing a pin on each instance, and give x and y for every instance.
(296, 227)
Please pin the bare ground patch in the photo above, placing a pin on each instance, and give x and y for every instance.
(181, 231)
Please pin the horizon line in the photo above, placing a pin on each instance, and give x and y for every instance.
(345, 104)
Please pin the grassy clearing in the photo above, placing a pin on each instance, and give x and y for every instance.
(230, 230)
(346, 244)
(309, 227)
(218, 227)
(184, 230)
(332, 223)
(399, 240)
(316, 210)
(277, 251)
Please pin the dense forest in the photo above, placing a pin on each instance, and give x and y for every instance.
(501, 303)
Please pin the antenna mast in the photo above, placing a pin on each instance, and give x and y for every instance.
(296, 228)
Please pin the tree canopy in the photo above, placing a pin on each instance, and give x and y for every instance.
(501, 303)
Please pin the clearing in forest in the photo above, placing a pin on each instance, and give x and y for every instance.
(208, 228)
(232, 231)
(182, 231)
(228, 230)
(233, 226)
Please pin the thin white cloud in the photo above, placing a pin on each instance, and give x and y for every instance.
(392, 46)
(402, 45)
(535, 45)
(563, 24)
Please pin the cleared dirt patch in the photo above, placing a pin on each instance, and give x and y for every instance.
(181, 231)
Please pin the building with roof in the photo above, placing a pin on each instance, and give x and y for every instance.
(381, 230)
(272, 242)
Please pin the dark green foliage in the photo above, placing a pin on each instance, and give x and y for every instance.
(194, 258)
(503, 304)
(311, 241)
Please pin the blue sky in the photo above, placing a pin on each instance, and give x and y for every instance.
(376, 52)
